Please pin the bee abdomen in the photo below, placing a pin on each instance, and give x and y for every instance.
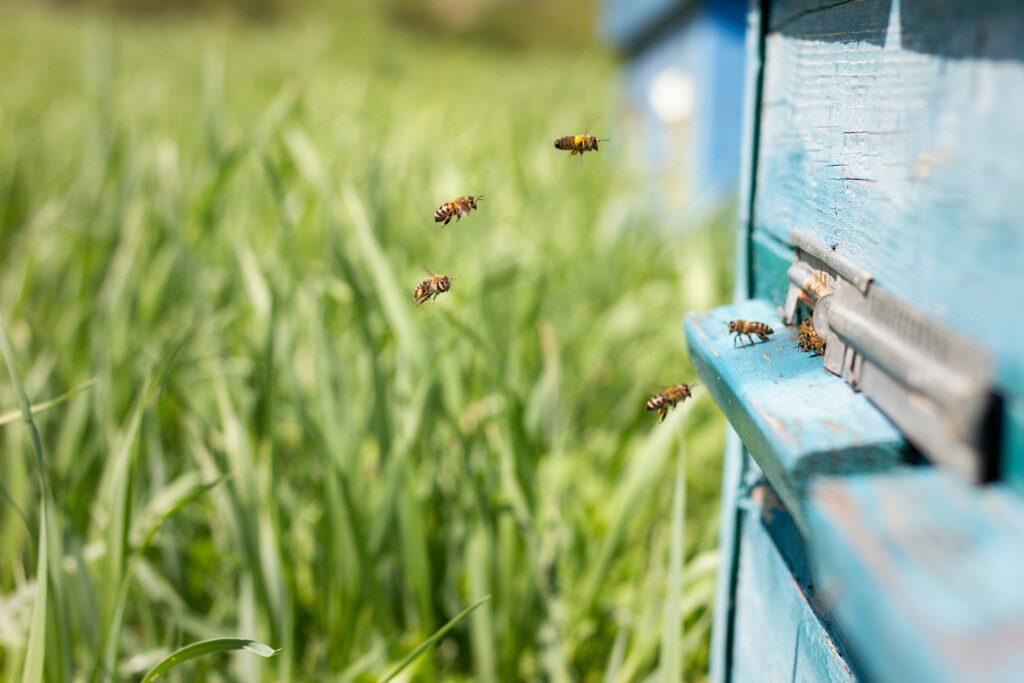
(565, 142)
(655, 403)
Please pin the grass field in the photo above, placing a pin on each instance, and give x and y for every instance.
(217, 230)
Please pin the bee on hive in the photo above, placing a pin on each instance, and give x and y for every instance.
(578, 144)
(456, 209)
(661, 402)
(808, 340)
(431, 288)
(749, 329)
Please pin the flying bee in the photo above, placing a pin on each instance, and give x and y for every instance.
(661, 402)
(456, 209)
(578, 144)
(749, 329)
(431, 288)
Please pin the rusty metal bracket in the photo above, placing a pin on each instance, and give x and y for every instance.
(932, 382)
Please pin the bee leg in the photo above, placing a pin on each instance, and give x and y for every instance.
(662, 413)
(446, 221)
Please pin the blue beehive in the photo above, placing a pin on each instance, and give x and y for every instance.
(873, 497)
(683, 93)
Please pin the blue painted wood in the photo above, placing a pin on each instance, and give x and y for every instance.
(892, 131)
(780, 633)
(1013, 435)
(697, 157)
(737, 460)
(797, 420)
(924, 573)
(733, 471)
(742, 282)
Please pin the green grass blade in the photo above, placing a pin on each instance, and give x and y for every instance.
(395, 302)
(165, 505)
(207, 647)
(36, 655)
(25, 406)
(671, 664)
(438, 635)
(13, 414)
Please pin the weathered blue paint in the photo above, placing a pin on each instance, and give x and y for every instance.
(924, 573)
(736, 457)
(770, 259)
(1013, 435)
(797, 420)
(891, 131)
(733, 472)
(780, 634)
(742, 284)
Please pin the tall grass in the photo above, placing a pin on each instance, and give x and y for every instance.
(222, 227)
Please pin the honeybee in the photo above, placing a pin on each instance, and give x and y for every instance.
(661, 402)
(808, 340)
(749, 329)
(431, 288)
(578, 144)
(456, 209)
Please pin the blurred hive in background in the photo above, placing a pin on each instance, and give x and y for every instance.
(683, 96)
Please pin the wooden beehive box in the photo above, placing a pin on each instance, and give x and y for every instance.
(683, 94)
(873, 502)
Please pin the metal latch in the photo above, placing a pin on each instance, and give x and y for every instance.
(932, 382)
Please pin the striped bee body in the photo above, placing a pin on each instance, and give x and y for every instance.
(808, 340)
(578, 144)
(750, 329)
(661, 402)
(456, 209)
(431, 288)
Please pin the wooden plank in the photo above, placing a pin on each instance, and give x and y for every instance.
(736, 457)
(1013, 446)
(780, 635)
(797, 420)
(924, 574)
(890, 131)
(728, 552)
(770, 259)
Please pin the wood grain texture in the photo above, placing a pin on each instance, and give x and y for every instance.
(733, 471)
(797, 420)
(780, 636)
(924, 573)
(892, 131)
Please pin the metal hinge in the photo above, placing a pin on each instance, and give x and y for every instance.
(932, 382)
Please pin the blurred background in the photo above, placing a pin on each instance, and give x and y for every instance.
(212, 217)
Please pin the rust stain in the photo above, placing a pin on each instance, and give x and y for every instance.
(775, 424)
(765, 498)
(707, 342)
(834, 427)
(925, 163)
(817, 284)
